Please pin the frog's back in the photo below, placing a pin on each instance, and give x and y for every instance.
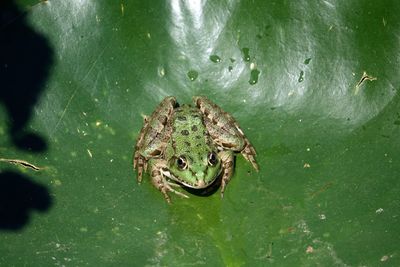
(189, 134)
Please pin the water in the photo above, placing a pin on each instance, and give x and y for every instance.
(301, 77)
(246, 54)
(215, 58)
(192, 74)
(254, 74)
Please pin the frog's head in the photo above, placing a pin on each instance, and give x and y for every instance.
(195, 171)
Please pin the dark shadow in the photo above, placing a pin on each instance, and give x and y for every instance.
(18, 197)
(211, 189)
(25, 59)
(208, 191)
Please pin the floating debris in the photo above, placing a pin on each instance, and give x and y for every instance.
(22, 163)
(365, 77)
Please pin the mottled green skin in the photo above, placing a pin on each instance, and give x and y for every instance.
(189, 146)
(190, 139)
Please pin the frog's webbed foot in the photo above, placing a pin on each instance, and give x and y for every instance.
(227, 168)
(224, 130)
(160, 181)
(249, 153)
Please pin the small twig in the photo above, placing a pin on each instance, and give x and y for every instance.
(22, 163)
(365, 77)
(321, 190)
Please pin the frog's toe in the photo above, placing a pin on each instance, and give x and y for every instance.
(254, 163)
(166, 196)
(173, 184)
(170, 189)
(249, 154)
(167, 188)
(180, 193)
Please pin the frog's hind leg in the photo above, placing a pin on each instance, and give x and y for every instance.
(140, 163)
(224, 130)
(227, 168)
(154, 135)
(158, 167)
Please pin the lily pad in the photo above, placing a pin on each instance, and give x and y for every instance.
(314, 84)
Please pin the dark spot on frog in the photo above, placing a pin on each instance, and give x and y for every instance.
(187, 143)
(155, 173)
(194, 128)
(181, 118)
(228, 145)
(198, 137)
(163, 120)
(156, 152)
(228, 164)
(185, 132)
(174, 145)
(189, 158)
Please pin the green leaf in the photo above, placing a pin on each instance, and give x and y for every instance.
(314, 85)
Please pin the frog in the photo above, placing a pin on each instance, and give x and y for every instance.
(189, 146)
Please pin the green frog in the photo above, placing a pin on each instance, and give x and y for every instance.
(189, 146)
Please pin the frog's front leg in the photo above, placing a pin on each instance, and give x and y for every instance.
(154, 135)
(224, 130)
(227, 168)
(159, 172)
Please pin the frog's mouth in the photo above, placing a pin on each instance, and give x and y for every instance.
(201, 184)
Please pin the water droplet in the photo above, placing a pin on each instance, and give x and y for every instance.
(215, 58)
(254, 74)
(307, 61)
(192, 74)
(161, 71)
(246, 54)
(301, 77)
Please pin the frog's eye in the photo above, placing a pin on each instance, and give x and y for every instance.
(212, 159)
(181, 162)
